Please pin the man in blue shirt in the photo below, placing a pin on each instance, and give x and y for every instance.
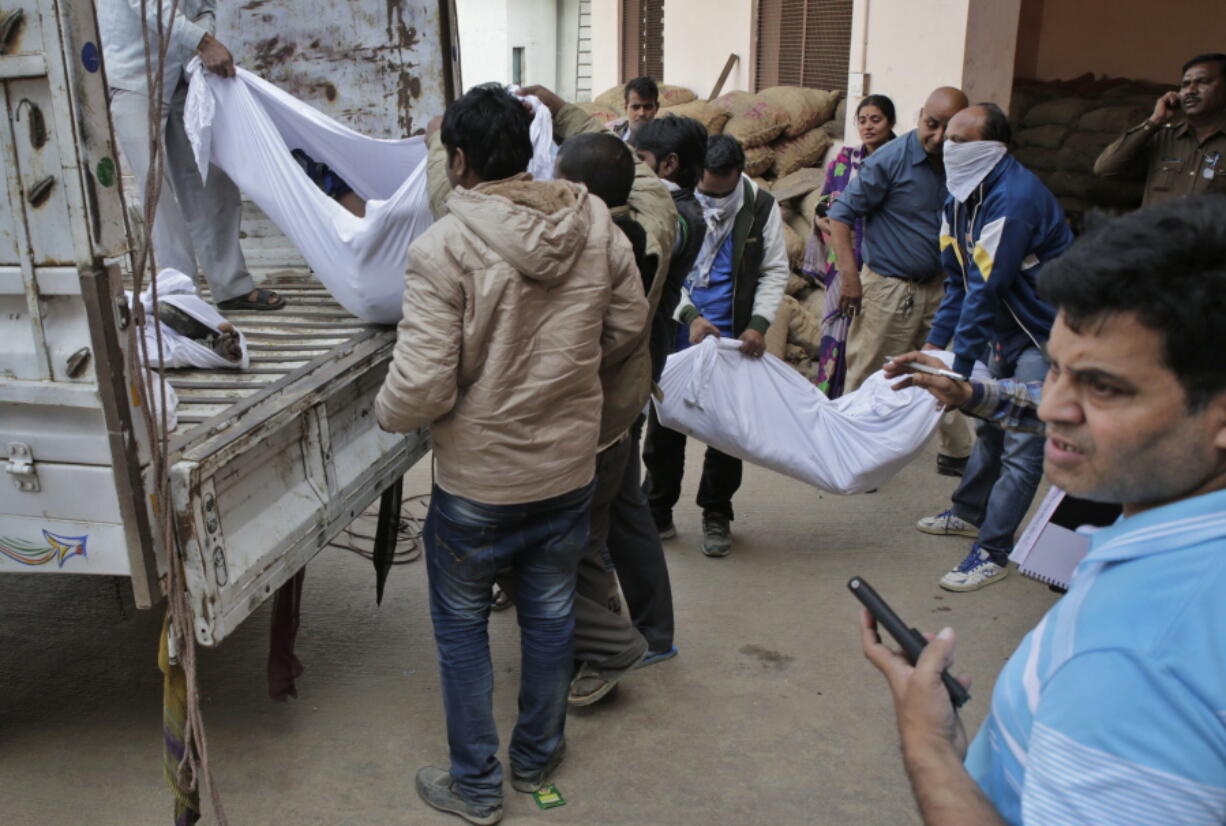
(899, 192)
(733, 289)
(1113, 709)
(1000, 228)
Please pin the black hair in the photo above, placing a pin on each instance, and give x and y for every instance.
(1166, 264)
(724, 155)
(881, 102)
(491, 126)
(675, 135)
(644, 87)
(995, 123)
(1211, 57)
(602, 162)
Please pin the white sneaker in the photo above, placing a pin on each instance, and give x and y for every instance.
(946, 524)
(975, 572)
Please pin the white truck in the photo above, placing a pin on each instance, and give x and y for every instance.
(267, 464)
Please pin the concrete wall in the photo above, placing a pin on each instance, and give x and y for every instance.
(484, 54)
(566, 54)
(606, 44)
(698, 37)
(1061, 39)
(910, 47)
(490, 29)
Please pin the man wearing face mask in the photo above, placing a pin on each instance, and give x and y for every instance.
(1000, 226)
(733, 290)
(891, 302)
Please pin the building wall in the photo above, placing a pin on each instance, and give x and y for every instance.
(1061, 39)
(698, 37)
(606, 44)
(910, 47)
(484, 53)
(490, 29)
(567, 53)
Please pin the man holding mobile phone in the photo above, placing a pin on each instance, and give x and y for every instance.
(1111, 710)
(1184, 156)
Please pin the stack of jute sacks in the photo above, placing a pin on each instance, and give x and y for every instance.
(786, 132)
(1060, 127)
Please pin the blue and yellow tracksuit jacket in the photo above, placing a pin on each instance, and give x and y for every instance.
(992, 249)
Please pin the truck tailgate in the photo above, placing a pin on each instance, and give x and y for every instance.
(269, 464)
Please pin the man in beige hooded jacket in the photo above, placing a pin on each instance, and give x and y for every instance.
(513, 303)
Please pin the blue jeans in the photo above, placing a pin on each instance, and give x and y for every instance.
(1004, 469)
(466, 544)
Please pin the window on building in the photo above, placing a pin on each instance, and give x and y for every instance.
(803, 43)
(642, 39)
(517, 65)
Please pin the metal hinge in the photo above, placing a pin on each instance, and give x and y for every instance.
(21, 466)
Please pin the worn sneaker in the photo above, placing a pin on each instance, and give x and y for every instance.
(529, 782)
(974, 572)
(946, 524)
(436, 788)
(949, 466)
(667, 532)
(716, 535)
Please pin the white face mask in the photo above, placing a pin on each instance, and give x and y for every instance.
(719, 215)
(968, 163)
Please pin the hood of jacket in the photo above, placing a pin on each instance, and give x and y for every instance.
(538, 227)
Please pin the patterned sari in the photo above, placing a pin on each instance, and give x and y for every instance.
(819, 265)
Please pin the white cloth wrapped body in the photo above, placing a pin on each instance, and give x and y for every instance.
(763, 411)
(248, 127)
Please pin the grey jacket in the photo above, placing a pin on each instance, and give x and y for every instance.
(123, 39)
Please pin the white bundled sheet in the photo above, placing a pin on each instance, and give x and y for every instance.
(763, 411)
(177, 349)
(248, 127)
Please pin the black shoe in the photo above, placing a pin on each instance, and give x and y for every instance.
(436, 788)
(529, 782)
(716, 535)
(949, 466)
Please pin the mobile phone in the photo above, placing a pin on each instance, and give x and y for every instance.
(911, 641)
(916, 367)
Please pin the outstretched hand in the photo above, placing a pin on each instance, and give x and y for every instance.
(552, 102)
(952, 394)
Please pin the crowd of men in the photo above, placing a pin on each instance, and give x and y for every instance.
(538, 315)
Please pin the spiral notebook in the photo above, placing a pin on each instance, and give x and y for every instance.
(1051, 546)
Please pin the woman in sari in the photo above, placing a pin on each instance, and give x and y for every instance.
(875, 122)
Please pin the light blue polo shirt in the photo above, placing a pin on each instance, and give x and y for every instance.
(1113, 709)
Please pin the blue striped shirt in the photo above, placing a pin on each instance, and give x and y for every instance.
(1113, 709)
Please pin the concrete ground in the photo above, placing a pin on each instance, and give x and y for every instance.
(769, 715)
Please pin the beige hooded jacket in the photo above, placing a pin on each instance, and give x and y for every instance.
(513, 303)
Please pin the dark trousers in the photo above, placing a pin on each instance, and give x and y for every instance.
(467, 543)
(664, 456)
(638, 556)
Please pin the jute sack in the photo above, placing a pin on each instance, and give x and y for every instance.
(761, 182)
(1043, 137)
(1063, 111)
(710, 116)
(1036, 159)
(795, 243)
(808, 207)
(671, 96)
(792, 154)
(799, 184)
(758, 125)
(759, 160)
(599, 111)
(805, 108)
(614, 98)
(1115, 119)
(1081, 149)
(735, 102)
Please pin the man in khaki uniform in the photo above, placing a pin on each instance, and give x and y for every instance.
(1183, 158)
